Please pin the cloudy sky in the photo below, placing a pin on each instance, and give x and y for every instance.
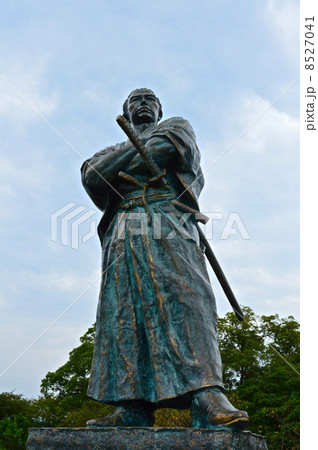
(231, 68)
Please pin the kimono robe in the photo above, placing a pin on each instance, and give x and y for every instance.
(156, 331)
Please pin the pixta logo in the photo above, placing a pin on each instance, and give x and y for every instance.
(68, 223)
(167, 226)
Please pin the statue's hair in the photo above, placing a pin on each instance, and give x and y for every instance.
(125, 105)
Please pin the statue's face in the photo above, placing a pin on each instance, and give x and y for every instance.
(143, 107)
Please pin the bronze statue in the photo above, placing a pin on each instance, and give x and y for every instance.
(156, 329)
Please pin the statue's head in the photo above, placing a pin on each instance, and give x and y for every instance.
(142, 106)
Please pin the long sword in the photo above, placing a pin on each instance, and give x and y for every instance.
(159, 174)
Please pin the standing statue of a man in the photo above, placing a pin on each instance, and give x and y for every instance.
(156, 329)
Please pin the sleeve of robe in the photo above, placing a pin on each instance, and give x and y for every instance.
(99, 186)
(187, 168)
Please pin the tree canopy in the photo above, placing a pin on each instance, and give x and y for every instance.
(261, 370)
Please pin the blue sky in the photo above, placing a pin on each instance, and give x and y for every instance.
(230, 68)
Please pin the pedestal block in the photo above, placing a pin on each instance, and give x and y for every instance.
(143, 438)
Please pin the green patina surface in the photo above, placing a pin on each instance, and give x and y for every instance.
(156, 336)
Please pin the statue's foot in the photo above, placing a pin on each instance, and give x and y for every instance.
(132, 416)
(211, 409)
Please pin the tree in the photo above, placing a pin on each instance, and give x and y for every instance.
(12, 404)
(241, 347)
(261, 369)
(71, 379)
(17, 413)
(14, 432)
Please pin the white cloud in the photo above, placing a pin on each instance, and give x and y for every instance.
(3, 301)
(46, 354)
(14, 173)
(54, 280)
(23, 91)
(255, 125)
(263, 276)
(284, 16)
(271, 125)
(236, 250)
(284, 305)
(250, 124)
(257, 151)
(25, 183)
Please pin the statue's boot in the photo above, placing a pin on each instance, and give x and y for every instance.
(211, 409)
(128, 416)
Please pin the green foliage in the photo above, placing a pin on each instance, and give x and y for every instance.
(241, 347)
(260, 367)
(173, 418)
(12, 404)
(64, 391)
(89, 410)
(266, 384)
(13, 432)
(17, 413)
(71, 379)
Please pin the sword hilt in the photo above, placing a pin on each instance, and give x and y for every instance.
(155, 170)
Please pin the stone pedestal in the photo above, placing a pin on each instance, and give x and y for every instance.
(143, 438)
